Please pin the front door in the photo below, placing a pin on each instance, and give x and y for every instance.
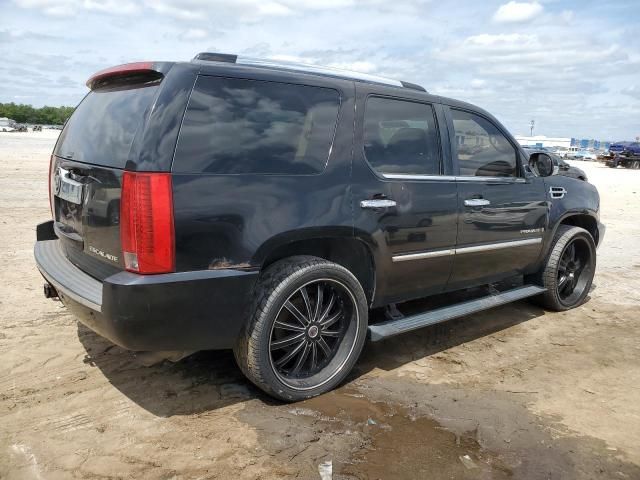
(502, 212)
(402, 199)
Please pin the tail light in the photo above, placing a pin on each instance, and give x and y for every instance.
(146, 222)
(51, 163)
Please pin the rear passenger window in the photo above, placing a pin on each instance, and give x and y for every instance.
(483, 151)
(401, 137)
(235, 126)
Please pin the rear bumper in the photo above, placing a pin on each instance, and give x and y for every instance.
(178, 311)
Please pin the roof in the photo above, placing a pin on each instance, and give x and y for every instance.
(304, 68)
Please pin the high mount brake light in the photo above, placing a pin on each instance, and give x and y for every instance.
(127, 69)
(146, 222)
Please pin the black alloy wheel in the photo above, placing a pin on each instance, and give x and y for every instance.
(568, 270)
(574, 271)
(309, 328)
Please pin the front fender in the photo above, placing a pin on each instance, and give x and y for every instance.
(581, 200)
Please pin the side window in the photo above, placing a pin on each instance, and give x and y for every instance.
(235, 126)
(401, 137)
(483, 151)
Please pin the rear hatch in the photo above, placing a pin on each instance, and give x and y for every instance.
(87, 167)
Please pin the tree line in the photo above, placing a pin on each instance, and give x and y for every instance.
(28, 114)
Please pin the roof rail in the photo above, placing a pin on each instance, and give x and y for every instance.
(303, 67)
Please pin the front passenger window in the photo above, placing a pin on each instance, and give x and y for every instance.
(483, 151)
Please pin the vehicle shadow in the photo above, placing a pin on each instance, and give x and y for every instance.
(204, 381)
(209, 380)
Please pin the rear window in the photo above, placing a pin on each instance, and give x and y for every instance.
(102, 128)
(235, 126)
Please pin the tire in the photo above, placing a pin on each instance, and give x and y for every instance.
(341, 323)
(558, 273)
(635, 165)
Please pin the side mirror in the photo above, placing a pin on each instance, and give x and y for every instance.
(542, 165)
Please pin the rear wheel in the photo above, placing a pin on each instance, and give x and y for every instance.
(569, 268)
(307, 329)
(635, 165)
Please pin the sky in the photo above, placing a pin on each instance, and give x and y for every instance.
(572, 66)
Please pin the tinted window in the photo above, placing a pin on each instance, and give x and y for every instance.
(401, 137)
(247, 126)
(102, 128)
(482, 150)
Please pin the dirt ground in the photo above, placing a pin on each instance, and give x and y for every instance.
(513, 392)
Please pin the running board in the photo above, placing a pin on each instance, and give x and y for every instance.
(391, 328)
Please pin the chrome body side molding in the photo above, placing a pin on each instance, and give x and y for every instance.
(419, 256)
(498, 246)
(476, 248)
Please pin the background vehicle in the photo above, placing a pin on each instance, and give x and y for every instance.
(626, 154)
(563, 167)
(268, 207)
(567, 152)
(586, 155)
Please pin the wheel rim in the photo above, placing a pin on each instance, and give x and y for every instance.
(574, 271)
(307, 344)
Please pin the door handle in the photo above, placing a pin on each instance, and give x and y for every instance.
(476, 202)
(377, 203)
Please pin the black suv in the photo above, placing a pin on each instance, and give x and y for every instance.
(268, 207)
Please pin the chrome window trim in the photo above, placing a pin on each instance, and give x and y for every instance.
(477, 248)
(403, 176)
(491, 179)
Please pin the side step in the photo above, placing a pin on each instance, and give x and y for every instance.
(391, 328)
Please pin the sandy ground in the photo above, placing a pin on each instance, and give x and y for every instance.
(514, 392)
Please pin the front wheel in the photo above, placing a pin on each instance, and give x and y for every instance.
(568, 270)
(307, 328)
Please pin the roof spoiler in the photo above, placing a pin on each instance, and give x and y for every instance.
(139, 71)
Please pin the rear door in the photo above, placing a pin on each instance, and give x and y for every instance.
(101, 136)
(404, 196)
(502, 212)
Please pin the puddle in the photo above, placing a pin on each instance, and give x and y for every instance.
(401, 444)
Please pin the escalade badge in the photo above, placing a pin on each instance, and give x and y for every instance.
(108, 256)
(532, 230)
